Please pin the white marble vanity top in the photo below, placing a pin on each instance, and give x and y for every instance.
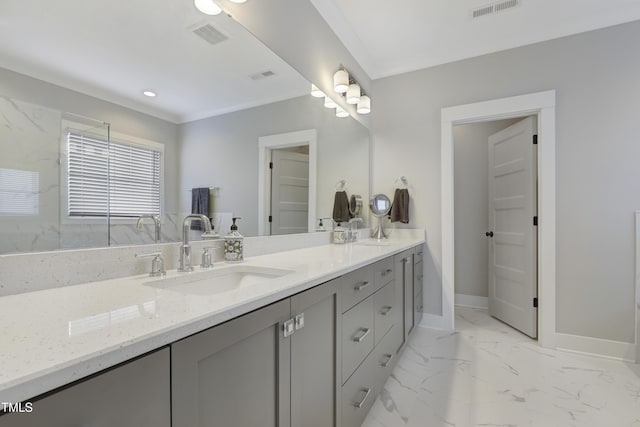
(53, 337)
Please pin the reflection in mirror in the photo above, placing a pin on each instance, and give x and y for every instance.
(219, 91)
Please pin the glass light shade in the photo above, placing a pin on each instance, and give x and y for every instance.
(340, 112)
(149, 93)
(329, 103)
(208, 7)
(353, 93)
(315, 92)
(341, 81)
(364, 105)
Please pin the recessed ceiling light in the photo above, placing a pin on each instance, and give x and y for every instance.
(149, 93)
(208, 7)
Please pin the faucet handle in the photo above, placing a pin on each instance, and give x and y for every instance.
(157, 264)
(207, 257)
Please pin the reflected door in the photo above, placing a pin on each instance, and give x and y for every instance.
(289, 192)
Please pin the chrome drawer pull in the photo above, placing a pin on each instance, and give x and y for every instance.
(367, 392)
(361, 337)
(385, 310)
(388, 362)
(385, 272)
(361, 286)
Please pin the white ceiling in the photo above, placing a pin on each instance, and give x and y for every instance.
(389, 38)
(115, 50)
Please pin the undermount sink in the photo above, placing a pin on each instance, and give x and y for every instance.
(218, 281)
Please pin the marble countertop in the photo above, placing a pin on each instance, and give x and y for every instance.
(53, 337)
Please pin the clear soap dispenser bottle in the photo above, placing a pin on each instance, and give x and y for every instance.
(233, 244)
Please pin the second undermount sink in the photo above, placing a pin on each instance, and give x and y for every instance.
(226, 279)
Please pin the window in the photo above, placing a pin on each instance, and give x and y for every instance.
(19, 192)
(116, 178)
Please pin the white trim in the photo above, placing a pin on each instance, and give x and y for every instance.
(290, 139)
(637, 300)
(617, 350)
(541, 104)
(433, 321)
(472, 301)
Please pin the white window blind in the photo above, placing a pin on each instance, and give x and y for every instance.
(19, 192)
(114, 177)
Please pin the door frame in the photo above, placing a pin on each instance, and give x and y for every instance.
(308, 138)
(541, 104)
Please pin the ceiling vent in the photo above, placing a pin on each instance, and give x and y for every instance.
(209, 34)
(490, 9)
(262, 75)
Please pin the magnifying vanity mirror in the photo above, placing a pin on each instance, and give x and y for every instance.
(380, 205)
(109, 120)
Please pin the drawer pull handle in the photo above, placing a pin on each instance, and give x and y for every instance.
(367, 392)
(388, 362)
(385, 310)
(363, 333)
(361, 286)
(385, 272)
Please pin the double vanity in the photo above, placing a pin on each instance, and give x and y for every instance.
(305, 337)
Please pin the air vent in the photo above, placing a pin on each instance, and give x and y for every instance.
(492, 8)
(210, 34)
(262, 75)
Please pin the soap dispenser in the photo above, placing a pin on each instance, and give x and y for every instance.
(233, 244)
(339, 234)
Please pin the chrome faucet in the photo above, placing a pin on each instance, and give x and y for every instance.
(156, 223)
(185, 248)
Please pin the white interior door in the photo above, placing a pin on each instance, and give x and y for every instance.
(289, 192)
(513, 283)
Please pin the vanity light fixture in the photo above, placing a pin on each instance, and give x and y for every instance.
(315, 92)
(341, 112)
(149, 93)
(364, 105)
(208, 7)
(353, 93)
(341, 81)
(329, 103)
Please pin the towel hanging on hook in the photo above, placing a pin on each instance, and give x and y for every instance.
(341, 185)
(401, 183)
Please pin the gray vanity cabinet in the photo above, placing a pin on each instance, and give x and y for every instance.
(135, 394)
(418, 273)
(315, 361)
(235, 374)
(405, 285)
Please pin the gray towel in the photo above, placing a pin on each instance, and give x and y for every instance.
(341, 207)
(199, 205)
(400, 206)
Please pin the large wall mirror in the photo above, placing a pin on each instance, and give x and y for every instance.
(88, 160)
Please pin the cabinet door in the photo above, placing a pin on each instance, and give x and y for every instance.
(409, 296)
(235, 374)
(314, 357)
(135, 394)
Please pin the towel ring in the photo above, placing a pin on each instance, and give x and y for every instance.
(341, 185)
(401, 183)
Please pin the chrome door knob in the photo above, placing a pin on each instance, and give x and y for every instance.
(489, 234)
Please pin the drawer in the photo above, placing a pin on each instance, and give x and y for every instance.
(357, 336)
(356, 286)
(384, 302)
(385, 358)
(419, 253)
(418, 278)
(359, 394)
(382, 272)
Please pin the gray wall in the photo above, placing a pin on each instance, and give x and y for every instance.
(598, 178)
(226, 148)
(471, 201)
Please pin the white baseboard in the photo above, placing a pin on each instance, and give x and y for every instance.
(471, 301)
(433, 321)
(616, 350)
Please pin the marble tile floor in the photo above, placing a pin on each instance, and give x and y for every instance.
(488, 374)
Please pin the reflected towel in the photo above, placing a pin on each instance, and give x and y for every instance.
(400, 206)
(199, 205)
(341, 207)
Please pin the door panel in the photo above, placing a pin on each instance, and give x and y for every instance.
(289, 192)
(512, 206)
